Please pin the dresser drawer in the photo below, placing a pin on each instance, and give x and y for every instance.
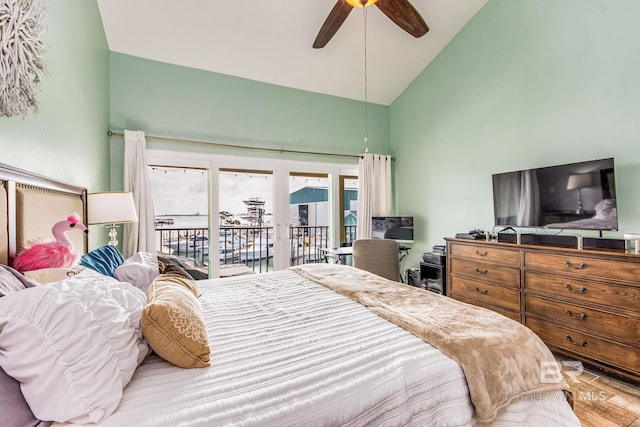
(485, 292)
(613, 353)
(498, 274)
(582, 266)
(595, 321)
(507, 313)
(485, 253)
(575, 290)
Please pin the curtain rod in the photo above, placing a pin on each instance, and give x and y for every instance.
(243, 147)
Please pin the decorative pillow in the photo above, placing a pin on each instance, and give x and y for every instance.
(192, 267)
(180, 277)
(72, 345)
(13, 281)
(13, 408)
(139, 270)
(51, 275)
(104, 260)
(173, 325)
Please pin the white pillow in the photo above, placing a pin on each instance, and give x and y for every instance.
(51, 275)
(130, 298)
(73, 345)
(139, 270)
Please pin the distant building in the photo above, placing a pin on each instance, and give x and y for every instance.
(310, 206)
(255, 211)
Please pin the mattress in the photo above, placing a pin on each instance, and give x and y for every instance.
(289, 352)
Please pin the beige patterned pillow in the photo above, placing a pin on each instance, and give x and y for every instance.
(172, 323)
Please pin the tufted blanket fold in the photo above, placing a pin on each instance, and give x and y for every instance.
(501, 359)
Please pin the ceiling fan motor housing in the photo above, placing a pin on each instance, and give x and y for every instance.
(361, 3)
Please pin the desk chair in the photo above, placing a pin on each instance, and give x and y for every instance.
(378, 256)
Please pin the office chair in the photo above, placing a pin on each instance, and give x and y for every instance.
(378, 256)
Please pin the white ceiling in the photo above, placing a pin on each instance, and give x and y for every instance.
(271, 41)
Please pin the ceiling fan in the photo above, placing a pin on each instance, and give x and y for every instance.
(399, 11)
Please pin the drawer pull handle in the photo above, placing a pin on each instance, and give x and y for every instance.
(483, 253)
(481, 271)
(570, 314)
(483, 292)
(582, 290)
(582, 343)
(580, 266)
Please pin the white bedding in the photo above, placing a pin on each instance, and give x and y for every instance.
(289, 352)
(73, 345)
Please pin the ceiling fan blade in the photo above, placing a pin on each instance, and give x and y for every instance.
(333, 22)
(404, 15)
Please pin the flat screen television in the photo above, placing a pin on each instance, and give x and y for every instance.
(571, 196)
(398, 228)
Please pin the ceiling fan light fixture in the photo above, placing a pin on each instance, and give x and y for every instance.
(361, 3)
(401, 12)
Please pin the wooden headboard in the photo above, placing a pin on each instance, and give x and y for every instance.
(30, 205)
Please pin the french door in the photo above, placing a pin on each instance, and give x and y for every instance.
(288, 208)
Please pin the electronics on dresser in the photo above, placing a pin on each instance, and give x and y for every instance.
(575, 196)
(473, 234)
(399, 228)
(561, 240)
(539, 239)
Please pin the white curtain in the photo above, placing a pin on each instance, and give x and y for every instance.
(138, 236)
(374, 191)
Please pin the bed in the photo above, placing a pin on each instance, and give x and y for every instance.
(604, 218)
(322, 345)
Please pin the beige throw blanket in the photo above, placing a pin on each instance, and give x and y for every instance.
(501, 358)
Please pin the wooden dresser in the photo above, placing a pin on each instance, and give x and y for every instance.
(585, 304)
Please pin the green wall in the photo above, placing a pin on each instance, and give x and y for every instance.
(66, 139)
(524, 84)
(185, 103)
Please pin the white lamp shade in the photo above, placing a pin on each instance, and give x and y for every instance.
(579, 181)
(111, 208)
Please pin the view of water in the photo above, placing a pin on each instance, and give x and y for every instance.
(182, 221)
(258, 262)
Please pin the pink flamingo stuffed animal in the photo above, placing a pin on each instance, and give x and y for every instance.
(53, 253)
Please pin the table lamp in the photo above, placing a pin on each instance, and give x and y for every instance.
(579, 181)
(111, 208)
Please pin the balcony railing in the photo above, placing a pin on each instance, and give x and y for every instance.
(349, 234)
(252, 246)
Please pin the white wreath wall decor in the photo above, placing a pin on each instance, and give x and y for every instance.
(21, 56)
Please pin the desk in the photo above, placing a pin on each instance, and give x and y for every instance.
(336, 253)
(339, 253)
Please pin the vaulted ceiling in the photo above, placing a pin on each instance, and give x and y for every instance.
(271, 41)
